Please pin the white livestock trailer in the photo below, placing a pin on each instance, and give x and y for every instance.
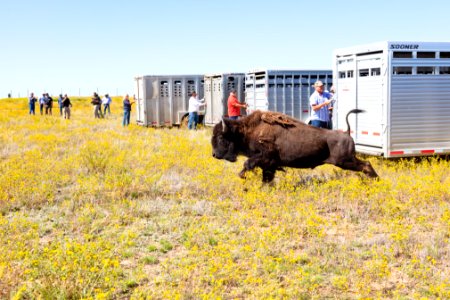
(404, 88)
(163, 100)
(217, 89)
(284, 91)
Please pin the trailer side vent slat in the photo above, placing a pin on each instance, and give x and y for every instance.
(402, 54)
(426, 54)
(375, 72)
(425, 70)
(402, 70)
(363, 72)
(444, 70)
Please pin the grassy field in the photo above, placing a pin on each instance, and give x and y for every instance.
(92, 210)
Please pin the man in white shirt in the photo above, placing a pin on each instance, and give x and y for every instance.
(319, 101)
(106, 101)
(194, 105)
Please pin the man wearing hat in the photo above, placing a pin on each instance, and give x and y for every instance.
(234, 106)
(320, 101)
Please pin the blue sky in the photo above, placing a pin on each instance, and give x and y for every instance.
(78, 47)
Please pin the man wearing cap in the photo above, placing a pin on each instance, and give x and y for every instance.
(319, 102)
(234, 106)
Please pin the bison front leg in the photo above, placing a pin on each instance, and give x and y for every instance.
(250, 164)
(268, 175)
(268, 166)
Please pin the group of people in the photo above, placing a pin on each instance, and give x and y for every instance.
(64, 104)
(321, 102)
(97, 104)
(106, 102)
(234, 108)
(46, 103)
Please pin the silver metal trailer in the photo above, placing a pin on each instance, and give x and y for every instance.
(285, 91)
(162, 100)
(217, 91)
(404, 87)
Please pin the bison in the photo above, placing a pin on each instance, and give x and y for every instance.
(272, 141)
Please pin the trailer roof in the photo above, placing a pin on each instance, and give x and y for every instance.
(168, 75)
(223, 74)
(393, 46)
(288, 70)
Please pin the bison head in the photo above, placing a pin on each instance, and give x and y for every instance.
(224, 140)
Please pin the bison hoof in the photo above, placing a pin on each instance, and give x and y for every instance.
(268, 176)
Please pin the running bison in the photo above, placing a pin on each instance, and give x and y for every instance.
(272, 141)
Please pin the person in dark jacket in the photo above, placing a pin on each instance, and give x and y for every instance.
(126, 110)
(66, 105)
(32, 103)
(97, 103)
(48, 104)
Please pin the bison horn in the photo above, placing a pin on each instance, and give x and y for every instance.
(224, 125)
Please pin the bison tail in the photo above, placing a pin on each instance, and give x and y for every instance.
(353, 111)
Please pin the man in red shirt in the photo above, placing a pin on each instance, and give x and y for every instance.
(234, 106)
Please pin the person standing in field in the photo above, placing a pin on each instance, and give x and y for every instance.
(42, 103)
(66, 105)
(319, 101)
(60, 99)
(194, 105)
(126, 110)
(48, 104)
(32, 103)
(234, 106)
(97, 103)
(106, 101)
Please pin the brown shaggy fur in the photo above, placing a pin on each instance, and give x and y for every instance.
(273, 140)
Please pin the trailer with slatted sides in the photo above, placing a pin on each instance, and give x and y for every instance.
(404, 89)
(163, 100)
(284, 91)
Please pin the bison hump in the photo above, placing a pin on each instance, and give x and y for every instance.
(277, 119)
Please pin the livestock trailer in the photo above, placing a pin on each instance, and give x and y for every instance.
(163, 100)
(404, 88)
(217, 89)
(284, 91)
